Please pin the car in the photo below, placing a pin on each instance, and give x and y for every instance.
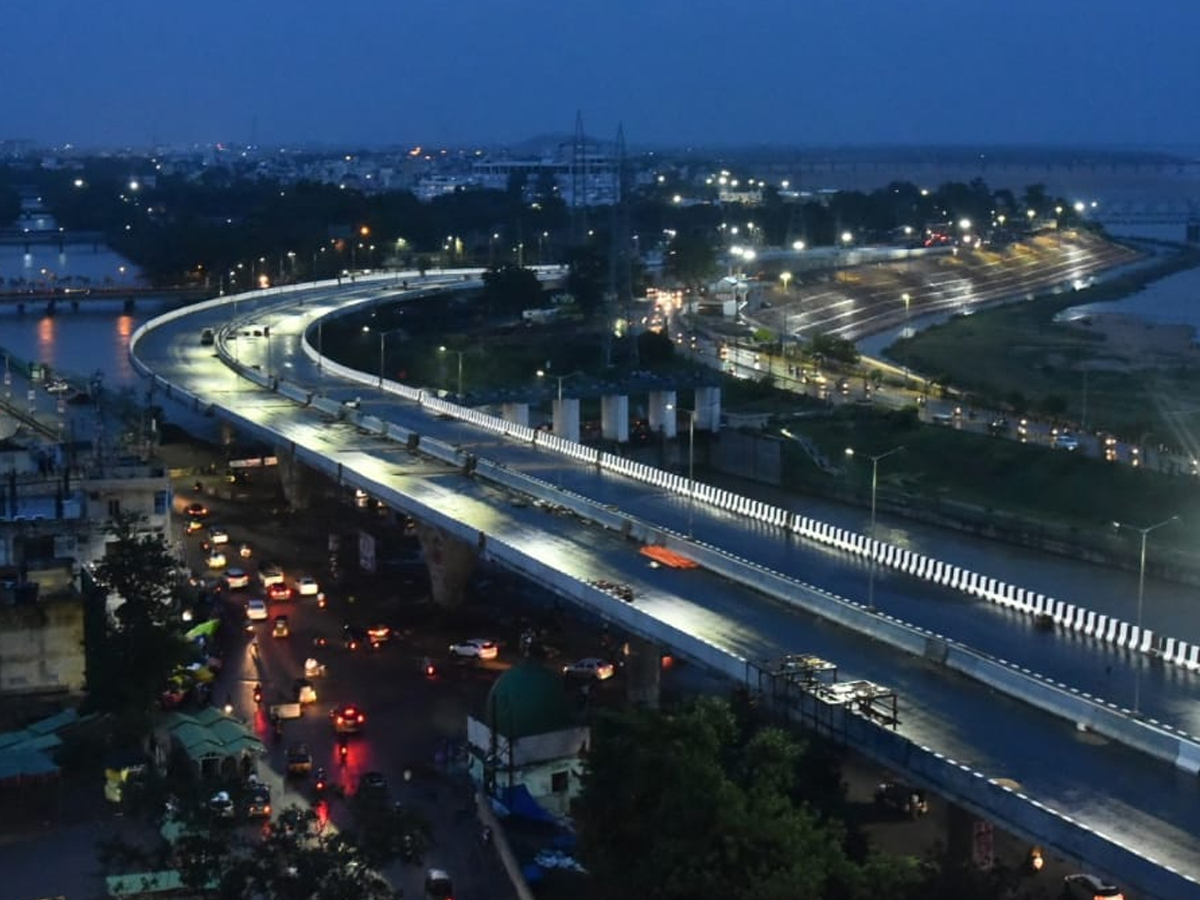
(245, 551)
(256, 610)
(279, 592)
(438, 885)
(280, 627)
(215, 559)
(307, 586)
(221, 805)
(1065, 441)
(196, 510)
(372, 786)
(1090, 887)
(901, 798)
(207, 337)
(347, 719)
(193, 525)
(58, 386)
(269, 573)
(218, 535)
(258, 801)
(379, 634)
(590, 668)
(475, 648)
(236, 579)
(299, 759)
(303, 691)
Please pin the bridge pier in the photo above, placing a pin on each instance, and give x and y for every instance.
(614, 418)
(516, 412)
(643, 672)
(968, 837)
(294, 480)
(663, 416)
(566, 418)
(450, 561)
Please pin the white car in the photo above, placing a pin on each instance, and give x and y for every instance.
(58, 386)
(237, 578)
(596, 669)
(269, 574)
(215, 559)
(1065, 441)
(307, 586)
(475, 648)
(218, 536)
(256, 609)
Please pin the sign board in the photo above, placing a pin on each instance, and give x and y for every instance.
(983, 849)
(366, 552)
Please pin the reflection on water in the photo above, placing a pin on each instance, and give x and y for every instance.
(78, 265)
(79, 342)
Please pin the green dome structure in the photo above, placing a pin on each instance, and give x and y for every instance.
(527, 700)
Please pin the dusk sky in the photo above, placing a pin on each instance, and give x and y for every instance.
(804, 72)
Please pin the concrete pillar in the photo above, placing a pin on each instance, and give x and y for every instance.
(450, 562)
(293, 479)
(969, 839)
(516, 412)
(643, 668)
(663, 415)
(614, 418)
(566, 418)
(708, 409)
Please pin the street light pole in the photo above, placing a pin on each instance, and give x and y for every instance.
(691, 468)
(875, 460)
(1144, 532)
(444, 349)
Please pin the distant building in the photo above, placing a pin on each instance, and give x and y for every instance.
(54, 520)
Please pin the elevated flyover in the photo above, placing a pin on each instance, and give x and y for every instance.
(1146, 809)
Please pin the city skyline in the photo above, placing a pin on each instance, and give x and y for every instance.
(816, 74)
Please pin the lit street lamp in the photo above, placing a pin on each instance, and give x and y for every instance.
(875, 460)
(786, 278)
(691, 414)
(444, 349)
(1137, 681)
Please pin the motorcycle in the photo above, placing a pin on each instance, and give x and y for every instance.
(258, 695)
(343, 749)
(320, 783)
(428, 668)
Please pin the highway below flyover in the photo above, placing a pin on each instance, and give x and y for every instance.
(1149, 806)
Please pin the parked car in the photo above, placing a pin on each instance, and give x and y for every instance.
(256, 610)
(236, 579)
(590, 668)
(307, 586)
(475, 648)
(1090, 887)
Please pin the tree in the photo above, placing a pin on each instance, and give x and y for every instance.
(297, 859)
(509, 289)
(720, 803)
(132, 653)
(835, 348)
(691, 258)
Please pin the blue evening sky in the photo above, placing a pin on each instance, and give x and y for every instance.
(675, 72)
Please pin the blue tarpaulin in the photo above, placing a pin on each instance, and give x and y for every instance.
(519, 802)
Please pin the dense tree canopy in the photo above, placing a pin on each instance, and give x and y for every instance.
(131, 654)
(695, 804)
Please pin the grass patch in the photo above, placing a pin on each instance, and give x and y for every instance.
(1017, 357)
(993, 474)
